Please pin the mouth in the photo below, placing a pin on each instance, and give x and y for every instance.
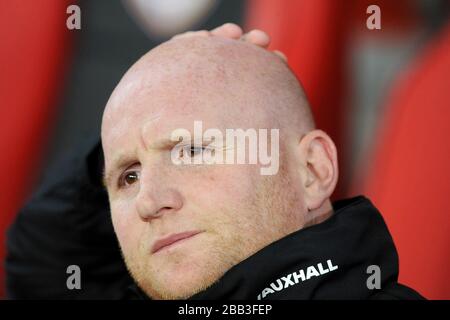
(172, 239)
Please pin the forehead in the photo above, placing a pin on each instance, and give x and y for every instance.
(153, 113)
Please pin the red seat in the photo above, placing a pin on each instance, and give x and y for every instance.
(409, 179)
(33, 55)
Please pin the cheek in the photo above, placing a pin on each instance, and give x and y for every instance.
(126, 224)
(224, 186)
(221, 199)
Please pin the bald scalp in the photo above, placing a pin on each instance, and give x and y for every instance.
(207, 66)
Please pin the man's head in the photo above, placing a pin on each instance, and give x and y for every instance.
(228, 211)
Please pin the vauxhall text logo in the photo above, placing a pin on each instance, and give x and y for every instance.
(296, 277)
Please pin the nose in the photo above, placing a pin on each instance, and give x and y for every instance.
(155, 200)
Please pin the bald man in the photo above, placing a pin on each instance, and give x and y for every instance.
(194, 222)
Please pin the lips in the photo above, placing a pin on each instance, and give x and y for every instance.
(171, 239)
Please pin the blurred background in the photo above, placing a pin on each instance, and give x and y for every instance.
(383, 96)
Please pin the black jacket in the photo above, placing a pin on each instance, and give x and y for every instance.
(337, 259)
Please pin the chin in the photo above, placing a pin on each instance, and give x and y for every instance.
(181, 278)
(181, 272)
(181, 283)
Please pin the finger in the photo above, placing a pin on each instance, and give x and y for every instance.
(281, 55)
(228, 30)
(257, 37)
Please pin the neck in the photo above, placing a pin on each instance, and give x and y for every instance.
(319, 215)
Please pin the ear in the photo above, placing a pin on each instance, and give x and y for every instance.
(319, 168)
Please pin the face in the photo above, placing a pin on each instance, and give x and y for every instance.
(222, 212)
